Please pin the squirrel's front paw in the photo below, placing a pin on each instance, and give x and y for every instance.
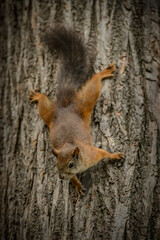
(80, 190)
(119, 155)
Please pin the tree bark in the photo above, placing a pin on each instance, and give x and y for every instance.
(122, 200)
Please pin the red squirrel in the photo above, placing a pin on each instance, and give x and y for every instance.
(69, 116)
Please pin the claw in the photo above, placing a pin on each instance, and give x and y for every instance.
(33, 96)
(108, 72)
(80, 190)
(112, 67)
(120, 155)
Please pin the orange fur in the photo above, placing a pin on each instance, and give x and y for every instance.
(88, 95)
(46, 107)
(69, 126)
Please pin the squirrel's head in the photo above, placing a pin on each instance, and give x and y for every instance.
(68, 162)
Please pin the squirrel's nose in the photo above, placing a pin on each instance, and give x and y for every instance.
(61, 176)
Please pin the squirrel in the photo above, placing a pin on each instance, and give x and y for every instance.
(69, 116)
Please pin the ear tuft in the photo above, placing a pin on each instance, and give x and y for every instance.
(76, 153)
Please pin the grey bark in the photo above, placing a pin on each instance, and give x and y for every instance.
(122, 200)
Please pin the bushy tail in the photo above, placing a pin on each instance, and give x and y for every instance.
(77, 63)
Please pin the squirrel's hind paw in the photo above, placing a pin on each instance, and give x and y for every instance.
(34, 95)
(111, 69)
(108, 72)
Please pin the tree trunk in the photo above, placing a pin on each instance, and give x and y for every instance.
(122, 200)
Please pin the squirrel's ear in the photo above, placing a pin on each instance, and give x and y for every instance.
(55, 152)
(75, 153)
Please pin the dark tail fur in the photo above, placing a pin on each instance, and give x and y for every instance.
(77, 63)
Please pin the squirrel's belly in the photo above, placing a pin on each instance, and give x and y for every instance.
(64, 134)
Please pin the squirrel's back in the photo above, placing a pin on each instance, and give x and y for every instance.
(76, 61)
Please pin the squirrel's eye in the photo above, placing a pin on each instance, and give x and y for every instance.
(71, 165)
